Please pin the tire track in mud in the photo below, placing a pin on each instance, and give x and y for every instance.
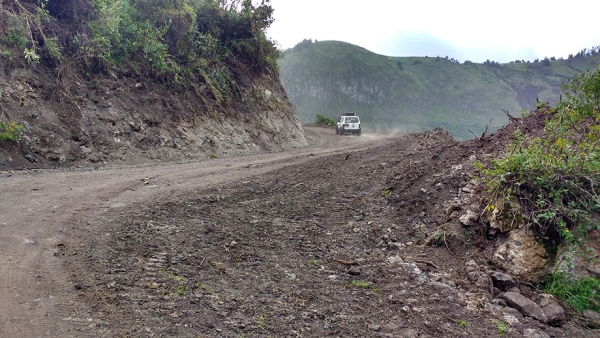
(38, 208)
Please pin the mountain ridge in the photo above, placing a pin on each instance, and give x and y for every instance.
(417, 93)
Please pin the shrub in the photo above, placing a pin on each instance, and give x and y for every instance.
(9, 131)
(555, 177)
(321, 120)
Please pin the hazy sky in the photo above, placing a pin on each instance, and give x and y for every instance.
(473, 30)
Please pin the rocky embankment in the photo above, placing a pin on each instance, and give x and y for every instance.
(125, 119)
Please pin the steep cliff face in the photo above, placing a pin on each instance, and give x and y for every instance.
(417, 93)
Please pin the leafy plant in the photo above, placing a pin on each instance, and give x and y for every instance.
(212, 155)
(502, 326)
(581, 294)
(260, 322)
(181, 286)
(31, 56)
(9, 131)
(462, 323)
(387, 192)
(555, 176)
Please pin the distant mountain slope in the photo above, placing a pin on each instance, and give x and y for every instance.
(417, 93)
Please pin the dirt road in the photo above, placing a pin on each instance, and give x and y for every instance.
(38, 209)
(348, 237)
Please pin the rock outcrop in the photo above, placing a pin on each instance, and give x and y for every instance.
(523, 257)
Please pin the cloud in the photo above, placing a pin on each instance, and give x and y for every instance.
(419, 43)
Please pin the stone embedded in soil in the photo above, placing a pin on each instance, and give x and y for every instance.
(524, 305)
(469, 218)
(354, 271)
(523, 257)
(472, 270)
(546, 299)
(485, 284)
(452, 208)
(514, 289)
(534, 333)
(593, 318)
(555, 314)
(511, 315)
(502, 281)
(374, 327)
(394, 246)
(395, 259)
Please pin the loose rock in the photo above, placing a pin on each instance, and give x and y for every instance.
(555, 314)
(524, 305)
(502, 281)
(469, 218)
(593, 318)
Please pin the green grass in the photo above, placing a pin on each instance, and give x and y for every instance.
(581, 294)
(424, 94)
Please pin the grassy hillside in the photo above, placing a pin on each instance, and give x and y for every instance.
(417, 93)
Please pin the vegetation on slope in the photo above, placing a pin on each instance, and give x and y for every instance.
(554, 176)
(207, 45)
(417, 93)
(183, 41)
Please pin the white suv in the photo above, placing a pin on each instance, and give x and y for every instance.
(348, 123)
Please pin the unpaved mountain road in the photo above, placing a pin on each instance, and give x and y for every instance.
(347, 237)
(37, 294)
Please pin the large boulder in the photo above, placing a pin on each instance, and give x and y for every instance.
(523, 257)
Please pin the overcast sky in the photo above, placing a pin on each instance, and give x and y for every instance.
(473, 30)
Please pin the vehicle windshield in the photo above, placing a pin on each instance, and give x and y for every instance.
(352, 119)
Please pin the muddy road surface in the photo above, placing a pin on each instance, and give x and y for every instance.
(327, 240)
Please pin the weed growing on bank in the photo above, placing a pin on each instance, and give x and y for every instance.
(581, 294)
(184, 42)
(555, 177)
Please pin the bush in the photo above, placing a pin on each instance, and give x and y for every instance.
(9, 131)
(321, 120)
(555, 177)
